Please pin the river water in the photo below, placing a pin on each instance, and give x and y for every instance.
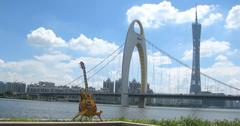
(13, 108)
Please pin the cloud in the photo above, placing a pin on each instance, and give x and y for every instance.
(212, 19)
(234, 82)
(176, 78)
(26, 70)
(209, 48)
(55, 67)
(158, 59)
(233, 18)
(59, 68)
(156, 15)
(170, 79)
(42, 37)
(53, 57)
(221, 58)
(1, 61)
(93, 46)
(223, 69)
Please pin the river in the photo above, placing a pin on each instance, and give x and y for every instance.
(14, 108)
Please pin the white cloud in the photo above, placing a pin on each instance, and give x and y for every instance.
(176, 79)
(53, 57)
(93, 46)
(155, 15)
(74, 63)
(152, 15)
(209, 48)
(158, 59)
(34, 70)
(233, 18)
(221, 58)
(223, 69)
(171, 79)
(212, 19)
(234, 82)
(42, 37)
(47, 67)
(26, 70)
(56, 66)
(1, 61)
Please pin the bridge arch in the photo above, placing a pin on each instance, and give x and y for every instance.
(133, 40)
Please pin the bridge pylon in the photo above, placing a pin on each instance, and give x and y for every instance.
(133, 40)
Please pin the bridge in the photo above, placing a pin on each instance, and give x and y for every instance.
(164, 68)
(178, 96)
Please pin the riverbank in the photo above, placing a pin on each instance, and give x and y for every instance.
(184, 121)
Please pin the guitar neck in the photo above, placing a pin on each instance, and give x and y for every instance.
(85, 80)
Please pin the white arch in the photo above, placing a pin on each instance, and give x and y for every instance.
(133, 40)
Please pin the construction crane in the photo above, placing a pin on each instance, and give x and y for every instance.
(87, 104)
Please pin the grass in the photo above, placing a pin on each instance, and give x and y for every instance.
(184, 121)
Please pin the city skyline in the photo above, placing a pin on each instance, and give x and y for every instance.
(49, 44)
(108, 86)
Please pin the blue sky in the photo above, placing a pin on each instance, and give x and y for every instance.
(35, 35)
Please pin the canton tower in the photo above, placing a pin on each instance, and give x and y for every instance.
(195, 87)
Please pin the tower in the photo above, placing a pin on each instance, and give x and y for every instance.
(195, 87)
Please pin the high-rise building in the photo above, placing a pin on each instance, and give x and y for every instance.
(108, 86)
(134, 87)
(16, 87)
(50, 87)
(46, 84)
(2, 87)
(42, 87)
(195, 87)
(118, 85)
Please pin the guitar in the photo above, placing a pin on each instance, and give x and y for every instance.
(87, 105)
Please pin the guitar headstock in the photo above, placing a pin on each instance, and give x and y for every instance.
(82, 65)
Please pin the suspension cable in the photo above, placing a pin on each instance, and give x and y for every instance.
(103, 66)
(182, 63)
(96, 65)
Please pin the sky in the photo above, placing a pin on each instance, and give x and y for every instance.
(44, 40)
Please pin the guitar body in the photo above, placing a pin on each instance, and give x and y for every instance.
(87, 107)
(87, 104)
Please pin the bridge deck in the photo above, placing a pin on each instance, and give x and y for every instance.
(178, 96)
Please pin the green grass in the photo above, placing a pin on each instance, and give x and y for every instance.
(184, 121)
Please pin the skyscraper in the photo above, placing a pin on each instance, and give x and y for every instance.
(195, 87)
(108, 86)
